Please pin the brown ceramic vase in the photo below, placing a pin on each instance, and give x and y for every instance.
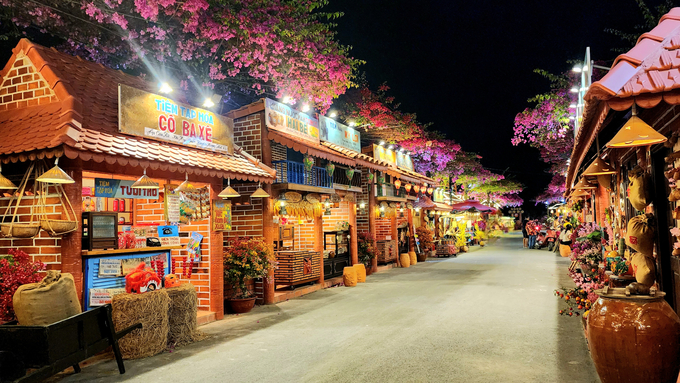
(634, 339)
(241, 306)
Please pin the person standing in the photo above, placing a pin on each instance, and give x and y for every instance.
(565, 240)
(532, 232)
(525, 235)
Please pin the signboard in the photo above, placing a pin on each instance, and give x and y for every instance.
(221, 215)
(285, 119)
(110, 268)
(156, 117)
(404, 160)
(383, 154)
(111, 188)
(171, 204)
(339, 134)
(101, 297)
(169, 235)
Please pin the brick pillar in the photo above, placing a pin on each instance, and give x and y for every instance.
(371, 221)
(268, 232)
(71, 243)
(354, 243)
(318, 243)
(216, 262)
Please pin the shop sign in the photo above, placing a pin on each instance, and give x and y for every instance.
(156, 117)
(221, 215)
(101, 297)
(339, 134)
(110, 188)
(404, 160)
(285, 119)
(383, 154)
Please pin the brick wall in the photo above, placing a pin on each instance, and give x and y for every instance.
(362, 215)
(383, 228)
(24, 86)
(338, 214)
(43, 247)
(151, 211)
(248, 134)
(279, 152)
(246, 219)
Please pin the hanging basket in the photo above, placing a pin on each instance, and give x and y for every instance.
(370, 177)
(14, 229)
(308, 162)
(57, 227)
(19, 230)
(330, 169)
(349, 173)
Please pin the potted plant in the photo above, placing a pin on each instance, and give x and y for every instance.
(246, 259)
(366, 250)
(426, 242)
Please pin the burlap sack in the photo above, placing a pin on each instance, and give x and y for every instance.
(640, 234)
(639, 188)
(644, 269)
(48, 301)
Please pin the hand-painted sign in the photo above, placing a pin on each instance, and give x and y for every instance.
(156, 117)
(339, 134)
(285, 119)
(221, 215)
(111, 188)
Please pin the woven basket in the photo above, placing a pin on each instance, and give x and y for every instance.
(20, 230)
(57, 227)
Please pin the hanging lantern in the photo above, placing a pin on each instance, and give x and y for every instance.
(259, 193)
(381, 179)
(228, 192)
(636, 132)
(185, 186)
(349, 172)
(430, 190)
(6, 183)
(328, 208)
(416, 188)
(144, 182)
(370, 177)
(397, 183)
(407, 187)
(599, 168)
(308, 161)
(330, 169)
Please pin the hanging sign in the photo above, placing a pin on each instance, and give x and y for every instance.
(339, 134)
(285, 119)
(221, 215)
(110, 188)
(156, 117)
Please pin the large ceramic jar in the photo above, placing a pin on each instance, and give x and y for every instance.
(634, 339)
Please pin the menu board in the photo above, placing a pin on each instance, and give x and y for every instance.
(285, 119)
(221, 215)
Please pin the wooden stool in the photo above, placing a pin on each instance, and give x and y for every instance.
(361, 272)
(349, 276)
(405, 260)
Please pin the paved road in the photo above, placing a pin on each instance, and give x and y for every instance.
(486, 316)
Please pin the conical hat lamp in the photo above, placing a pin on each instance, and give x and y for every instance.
(636, 132)
(584, 184)
(228, 192)
(55, 175)
(581, 193)
(185, 186)
(5, 183)
(259, 193)
(599, 168)
(145, 182)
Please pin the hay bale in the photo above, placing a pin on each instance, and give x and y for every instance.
(182, 315)
(413, 256)
(405, 260)
(151, 310)
(361, 272)
(349, 276)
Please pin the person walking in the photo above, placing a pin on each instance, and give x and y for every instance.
(565, 240)
(525, 235)
(532, 232)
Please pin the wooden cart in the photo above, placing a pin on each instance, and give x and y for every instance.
(53, 348)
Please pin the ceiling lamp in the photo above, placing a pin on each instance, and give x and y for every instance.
(599, 168)
(144, 182)
(5, 183)
(583, 184)
(260, 193)
(636, 132)
(229, 191)
(397, 183)
(185, 186)
(55, 175)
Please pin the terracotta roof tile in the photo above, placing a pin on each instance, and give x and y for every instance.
(88, 103)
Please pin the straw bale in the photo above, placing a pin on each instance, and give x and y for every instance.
(151, 310)
(182, 315)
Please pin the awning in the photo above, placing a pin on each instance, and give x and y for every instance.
(310, 148)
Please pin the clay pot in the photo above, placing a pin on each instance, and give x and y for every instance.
(241, 306)
(414, 258)
(405, 260)
(422, 256)
(634, 339)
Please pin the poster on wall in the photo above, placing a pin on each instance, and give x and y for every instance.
(339, 134)
(169, 235)
(285, 119)
(171, 205)
(194, 205)
(159, 118)
(110, 268)
(221, 215)
(110, 188)
(101, 297)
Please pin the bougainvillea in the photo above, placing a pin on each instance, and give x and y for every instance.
(216, 46)
(554, 192)
(15, 270)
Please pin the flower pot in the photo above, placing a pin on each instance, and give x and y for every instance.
(634, 338)
(241, 306)
(422, 256)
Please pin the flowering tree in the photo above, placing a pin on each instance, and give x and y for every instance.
(207, 46)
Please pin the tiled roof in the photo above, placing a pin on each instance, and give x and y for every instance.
(305, 147)
(84, 118)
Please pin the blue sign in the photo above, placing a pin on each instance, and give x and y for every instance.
(168, 231)
(339, 134)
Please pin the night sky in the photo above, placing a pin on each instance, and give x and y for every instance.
(467, 66)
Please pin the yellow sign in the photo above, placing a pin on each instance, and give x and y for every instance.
(159, 118)
(384, 154)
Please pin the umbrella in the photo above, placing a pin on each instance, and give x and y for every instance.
(471, 205)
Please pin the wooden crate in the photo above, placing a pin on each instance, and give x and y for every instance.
(384, 253)
(291, 270)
